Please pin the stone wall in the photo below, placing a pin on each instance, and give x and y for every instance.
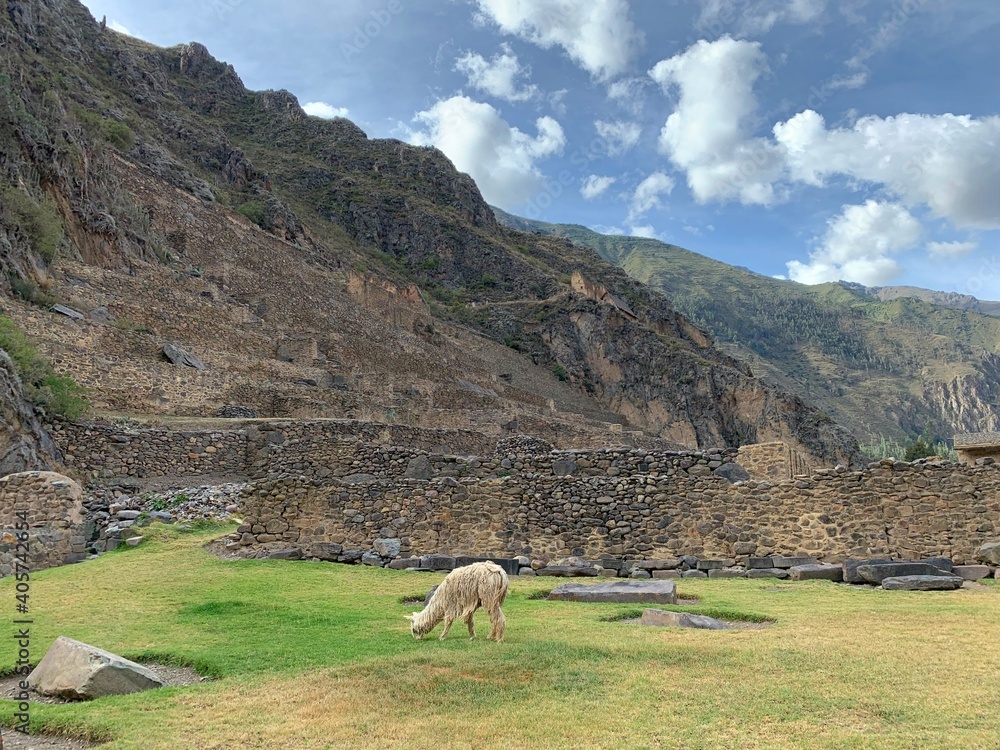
(51, 507)
(891, 509)
(773, 461)
(341, 448)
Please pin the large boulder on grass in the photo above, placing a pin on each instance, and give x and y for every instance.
(77, 671)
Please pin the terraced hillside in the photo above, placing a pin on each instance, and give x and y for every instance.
(318, 273)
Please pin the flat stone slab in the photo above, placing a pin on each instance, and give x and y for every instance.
(923, 583)
(767, 573)
(851, 566)
(817, 572)
(77, 671)
(660, 618)
(878, 573)
(666, 564)
(568, 571)
(972, 572)
(727, 573)
(779, 561)
(759, 563)
(623, 592)
(711, 564)
(437, 562)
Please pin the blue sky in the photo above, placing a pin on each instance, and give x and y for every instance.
(812, 139)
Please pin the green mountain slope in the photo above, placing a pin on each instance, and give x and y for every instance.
(880, 367)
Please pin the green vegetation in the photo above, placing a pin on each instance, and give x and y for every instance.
(560, 372)
(301, 652)
(256, 212)
(118, 134)
(39, 221)
(59, 394)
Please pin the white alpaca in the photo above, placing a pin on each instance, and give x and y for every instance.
(463, 591)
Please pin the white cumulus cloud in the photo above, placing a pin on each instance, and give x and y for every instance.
(324, 110)
(595, 186)
(648, 194)
(499, 157)
(859, 244)
(598, 35)
(950, 249)
(947, 162)
(498, 76)
(708, 134)
(618, 135)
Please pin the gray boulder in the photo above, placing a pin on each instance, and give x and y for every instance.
(851, 566)
(387, 547)
(564, 467)
(923, 583)
(732, 473)
(373, 559)
(179, 357)
(419, 468)
(326, 551)
(661, 618)
(77, 671)
(990, 553)
(626, 592)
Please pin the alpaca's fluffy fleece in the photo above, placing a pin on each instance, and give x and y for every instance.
(463, 591)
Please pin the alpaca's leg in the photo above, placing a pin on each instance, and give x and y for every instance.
(471, 624)
(447, 626)
(499, 625)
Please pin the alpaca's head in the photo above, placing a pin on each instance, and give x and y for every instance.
(417, 629)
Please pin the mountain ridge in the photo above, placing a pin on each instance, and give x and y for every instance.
(880, 362)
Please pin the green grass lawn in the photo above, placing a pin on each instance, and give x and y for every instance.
(312, 655)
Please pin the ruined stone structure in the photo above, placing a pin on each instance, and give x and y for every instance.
(972, 446)
(51, 506)
(892, 509)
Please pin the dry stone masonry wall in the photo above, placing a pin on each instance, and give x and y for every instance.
(891, 509)
(51, 505)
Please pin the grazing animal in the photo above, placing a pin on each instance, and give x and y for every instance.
(463, 591)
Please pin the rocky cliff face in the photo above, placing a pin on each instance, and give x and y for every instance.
(108, 126)
(24, 444)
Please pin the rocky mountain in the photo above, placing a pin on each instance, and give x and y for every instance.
(883, 362)
(24, 444)
(314, 272)
(942, 299)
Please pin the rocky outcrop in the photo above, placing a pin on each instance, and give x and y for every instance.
(24, 443)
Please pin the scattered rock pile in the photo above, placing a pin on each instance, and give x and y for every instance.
(115, 514)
